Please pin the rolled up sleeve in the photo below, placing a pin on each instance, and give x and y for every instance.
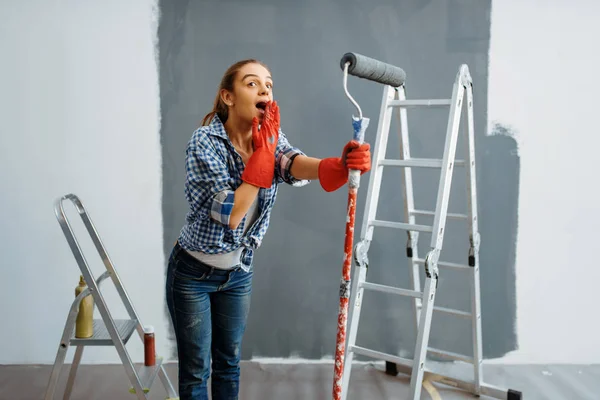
(207, 186)
(285, 154)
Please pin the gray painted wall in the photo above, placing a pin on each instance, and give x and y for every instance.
(294, 306)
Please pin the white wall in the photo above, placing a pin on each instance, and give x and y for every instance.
(80, 113)
(543, 82)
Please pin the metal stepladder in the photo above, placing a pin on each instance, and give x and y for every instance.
(107, 331)
(394, 99)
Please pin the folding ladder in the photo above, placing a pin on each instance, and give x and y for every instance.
(394, 99)
(107, 331)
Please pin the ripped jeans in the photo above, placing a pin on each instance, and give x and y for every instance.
(208, 308)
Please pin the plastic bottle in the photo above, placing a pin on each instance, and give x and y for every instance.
(84, 325)
(149, 346)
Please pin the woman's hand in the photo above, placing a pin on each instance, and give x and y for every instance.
(261, 166)
(333, 172)
(268, 135)
(357, 156)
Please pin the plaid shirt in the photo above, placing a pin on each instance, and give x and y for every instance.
(213, 172)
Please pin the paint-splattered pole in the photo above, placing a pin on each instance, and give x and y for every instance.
(359, 125)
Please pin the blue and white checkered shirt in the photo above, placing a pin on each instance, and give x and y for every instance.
(213, 173)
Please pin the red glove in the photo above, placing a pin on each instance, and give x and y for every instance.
(333, 172)
(261, 166)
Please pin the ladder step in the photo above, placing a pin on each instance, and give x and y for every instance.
(147, 375)
(445, 264)
(401, 225)
(447, 354)
(380, 356)
(101, 337)
(420, 103)
(419, 163)
(451, 311)
(389, 289)
(432, 214)
(405, 361)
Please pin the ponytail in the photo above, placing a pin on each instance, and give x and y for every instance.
(219, 108)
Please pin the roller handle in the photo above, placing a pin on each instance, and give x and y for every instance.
(373, 70)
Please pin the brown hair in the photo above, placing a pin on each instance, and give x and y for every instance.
(220, 108)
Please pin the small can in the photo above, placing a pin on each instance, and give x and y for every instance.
(149, 346)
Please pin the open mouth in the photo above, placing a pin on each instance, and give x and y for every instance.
(261, 106)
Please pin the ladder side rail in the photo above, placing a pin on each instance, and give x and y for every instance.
(474, 238)
(64, 344)
(166, 382)
(73, 372)
(409, 207)
(422, 342)
(356, 296)
(439, 223)
(379, 150)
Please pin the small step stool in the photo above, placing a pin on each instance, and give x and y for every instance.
(107, 331)
(421, 295)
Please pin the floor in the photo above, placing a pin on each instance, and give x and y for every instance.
(311, 381)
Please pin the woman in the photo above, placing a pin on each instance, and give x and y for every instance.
(234, 164)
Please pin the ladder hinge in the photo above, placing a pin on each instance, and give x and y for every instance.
(431, 264)
(474, 249)
(411, 243)
(360, 254)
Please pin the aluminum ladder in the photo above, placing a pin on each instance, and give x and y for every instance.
(394, 100)
(107, 331)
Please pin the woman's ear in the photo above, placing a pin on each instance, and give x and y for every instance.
(227, 97)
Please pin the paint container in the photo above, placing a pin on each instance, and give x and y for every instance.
(84, 325)
(149, 346)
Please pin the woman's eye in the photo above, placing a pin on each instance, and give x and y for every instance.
(252, 83)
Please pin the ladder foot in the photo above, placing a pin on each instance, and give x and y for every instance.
(514, 395)
(391, 368)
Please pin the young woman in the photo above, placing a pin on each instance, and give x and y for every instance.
(234, 164)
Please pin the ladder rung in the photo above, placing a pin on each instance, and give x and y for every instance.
(380, 356)
(418, 163)
(431, 214)
(452, 312)
(101, 337)
(390, 289)
(147, 375)
(402, 225)
(420, 103)
(447, 354)
(445, 264)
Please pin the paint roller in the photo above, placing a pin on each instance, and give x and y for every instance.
(373, 70)
(386, 74)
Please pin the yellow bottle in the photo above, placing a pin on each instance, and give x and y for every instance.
(84, 326)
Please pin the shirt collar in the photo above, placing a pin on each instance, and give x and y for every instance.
(217, 128)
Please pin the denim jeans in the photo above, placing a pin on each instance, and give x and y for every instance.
(208, 308)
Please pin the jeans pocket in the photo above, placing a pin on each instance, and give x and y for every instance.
(184, 271)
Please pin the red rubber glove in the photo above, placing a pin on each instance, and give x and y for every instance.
(333, 172)
(261, 166)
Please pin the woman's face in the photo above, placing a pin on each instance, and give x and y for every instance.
(252, 89)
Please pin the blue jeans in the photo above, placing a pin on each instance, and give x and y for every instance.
(208, 308)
